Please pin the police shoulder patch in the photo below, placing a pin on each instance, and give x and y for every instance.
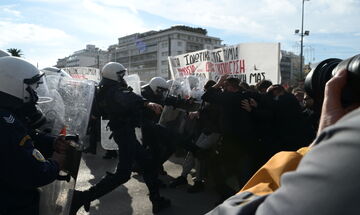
(38, 156)
(9, 119)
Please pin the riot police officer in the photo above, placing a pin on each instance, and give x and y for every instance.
(155, 90)
(155, 136)
(24, 151)
(123, 108)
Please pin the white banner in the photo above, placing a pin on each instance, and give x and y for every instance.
(250, 62)
(87, 73)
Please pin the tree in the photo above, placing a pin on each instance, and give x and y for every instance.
(15, 52)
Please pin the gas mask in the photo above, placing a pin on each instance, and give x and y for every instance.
(30, 110)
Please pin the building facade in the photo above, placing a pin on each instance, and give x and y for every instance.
(91, 56)
(289, 68)
(146, 54)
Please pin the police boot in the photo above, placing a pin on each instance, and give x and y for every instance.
(106, 185)
(80, 198)
(159, 203)
(84, 198)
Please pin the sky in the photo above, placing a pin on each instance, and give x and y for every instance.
(46, 30)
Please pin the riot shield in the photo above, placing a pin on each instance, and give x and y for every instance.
(52, 105)
(69, 101)
(108, 143)
(174, 116)
(78, 96)
(197, 90)
(66, 103)
(133, 81)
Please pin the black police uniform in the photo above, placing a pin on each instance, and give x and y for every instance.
(123, 108)
(156, 137)
(23, 166)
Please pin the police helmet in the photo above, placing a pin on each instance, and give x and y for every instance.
(4, 53)
(19, 79)
(113, 71)
(158, 85)
(55, 71)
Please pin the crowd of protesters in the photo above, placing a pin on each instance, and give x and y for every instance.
(239, 127)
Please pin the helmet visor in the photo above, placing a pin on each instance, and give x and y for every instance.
(42, 90)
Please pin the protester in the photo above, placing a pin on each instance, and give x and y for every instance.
(299, 95)
(311, 117)
(239, 139)
(288, 121)
(263, 85)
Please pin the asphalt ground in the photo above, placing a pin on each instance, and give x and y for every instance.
(132, 197)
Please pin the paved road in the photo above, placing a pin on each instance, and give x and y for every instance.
(131, 198)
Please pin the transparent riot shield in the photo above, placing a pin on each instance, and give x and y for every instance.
(78, 96)
(134, 82)
(108, 143)
(52, 105)
(197, 87)
(174, 113)
(66, 103)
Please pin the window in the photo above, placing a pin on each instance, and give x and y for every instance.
(179, 43)
(164, 45)
(164, 54)
(179, 52)
(164, 62)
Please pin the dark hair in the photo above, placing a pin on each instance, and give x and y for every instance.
(275, 87)
(234, 82)
(209, 83)
(263, 85)
(244, 85)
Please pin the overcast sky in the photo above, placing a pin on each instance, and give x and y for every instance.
(46, 30)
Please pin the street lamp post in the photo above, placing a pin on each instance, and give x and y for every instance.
(302, 34)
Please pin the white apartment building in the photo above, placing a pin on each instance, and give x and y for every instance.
(146, 54)
(91, 56)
